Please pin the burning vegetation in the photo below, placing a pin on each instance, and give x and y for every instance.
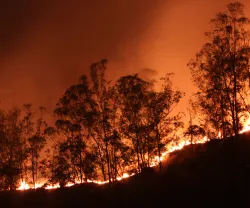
(107, 131)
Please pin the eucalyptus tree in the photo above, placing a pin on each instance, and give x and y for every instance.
(133, 98)
(73, 113)
(41, 133)
(221, 70)
(15, 128)
(104, 130)
(163, 119)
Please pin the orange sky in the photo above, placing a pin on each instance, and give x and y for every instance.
(47, 46)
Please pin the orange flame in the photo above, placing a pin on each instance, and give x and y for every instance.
(246, 126)
(155, 161)
(23, 186)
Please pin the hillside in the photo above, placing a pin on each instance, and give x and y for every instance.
(217, 173)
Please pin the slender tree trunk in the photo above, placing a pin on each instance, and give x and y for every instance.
(138, 154)
(36, 170)
(142, 158)
(33, 168)
(236, 118)
(101, 159)
(148, 161)
(231, 103)
(138, 162)
(222, 119)
(81, 174)
(115, 172)
(159, 148)
(80, 156)
(108, 161)
(103, 172)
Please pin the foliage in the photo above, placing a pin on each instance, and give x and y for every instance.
(221, 71)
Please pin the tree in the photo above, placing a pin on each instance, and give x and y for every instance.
(61, 168)
(25, 126)
(14, 128)
(90, 165)
(104, 130)
(74, 113)
(221, 70)
(45, 165)
(133, 93)
(102, 126)
(195, 132)
(37, 142)
(162, 119)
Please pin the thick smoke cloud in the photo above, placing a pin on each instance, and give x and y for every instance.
(46, 45)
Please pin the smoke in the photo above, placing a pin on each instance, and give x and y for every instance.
(47, 45)
(148, 74)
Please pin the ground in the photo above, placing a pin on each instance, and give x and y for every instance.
(214, 174)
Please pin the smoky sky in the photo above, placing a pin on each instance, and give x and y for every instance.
(46, 45)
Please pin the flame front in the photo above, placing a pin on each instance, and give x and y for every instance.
(23, 186)
(154, 162)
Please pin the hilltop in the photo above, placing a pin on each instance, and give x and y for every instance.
(215, 173)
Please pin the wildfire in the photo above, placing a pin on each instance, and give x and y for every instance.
(52, 186)
(23, 186)
(154, 162)
(246, 126)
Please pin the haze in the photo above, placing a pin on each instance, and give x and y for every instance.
(46, 46)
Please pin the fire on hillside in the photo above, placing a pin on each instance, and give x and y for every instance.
(155, 161)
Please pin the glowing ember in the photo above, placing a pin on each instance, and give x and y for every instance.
(52, 186)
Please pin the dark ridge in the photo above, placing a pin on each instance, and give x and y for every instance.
(214, 174)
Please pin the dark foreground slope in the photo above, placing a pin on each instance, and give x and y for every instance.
(215, 174)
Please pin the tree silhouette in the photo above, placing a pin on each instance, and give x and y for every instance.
(61, 168)
(133, 93)
(221, 70)
(37, 141)
(102, 127)
(105, 128)
(73, 111)
(162, 120)
(14, 151)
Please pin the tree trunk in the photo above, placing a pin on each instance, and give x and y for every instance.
(138, 154)
(103, 172)
(33, 168)
(108, 162)
(148, 161)
(81, 174)
(159, 148)
(236, 118)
